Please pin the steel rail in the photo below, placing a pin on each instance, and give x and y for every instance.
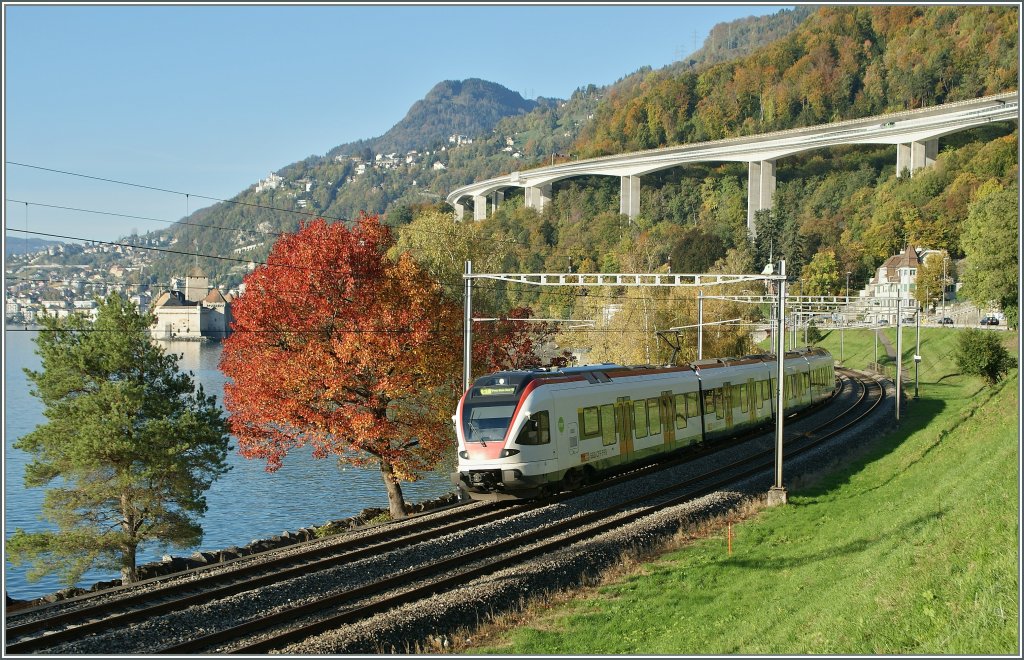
(241, 578)
(499, 549)
(292, 570)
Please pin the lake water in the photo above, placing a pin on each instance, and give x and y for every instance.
(245, 504)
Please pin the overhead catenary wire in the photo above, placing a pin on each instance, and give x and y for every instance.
(318, 331)
(160, 286)
(311, 214)
(512, 287)
(142, 217)
(506, 241)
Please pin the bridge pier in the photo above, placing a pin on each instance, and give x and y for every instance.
(460, 210)
(760, 190)
(629, 196)
(537, 197)
(479, 207)
(913, 156)
(499, 199)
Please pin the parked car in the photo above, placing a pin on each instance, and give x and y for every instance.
(990, 320)
(944, 321)
(909, 319)
(882, 321)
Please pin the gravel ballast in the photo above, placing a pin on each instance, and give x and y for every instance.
(407, 628)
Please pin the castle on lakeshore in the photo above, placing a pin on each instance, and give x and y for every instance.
(199, 312)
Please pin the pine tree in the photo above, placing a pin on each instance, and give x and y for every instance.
(128, 452)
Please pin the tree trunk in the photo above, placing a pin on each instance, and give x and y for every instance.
(129, 572)
(396, 503)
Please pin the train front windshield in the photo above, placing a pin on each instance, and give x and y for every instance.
(486, 423)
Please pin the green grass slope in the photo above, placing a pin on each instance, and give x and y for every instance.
(911, 550)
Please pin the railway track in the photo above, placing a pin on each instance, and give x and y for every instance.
(390, 567)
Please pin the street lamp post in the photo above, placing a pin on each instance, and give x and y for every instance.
(917, 351)
(842, 323)
(944, 258)
(842, 340)
(777, 493)
(876, 349)
(899, 353)
(467, 330)
(700, 324)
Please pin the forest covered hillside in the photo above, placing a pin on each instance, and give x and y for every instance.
(836, 211)
(841, 210)
(842, 62)
(469, 107)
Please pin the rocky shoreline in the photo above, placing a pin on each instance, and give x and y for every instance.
(170, 564)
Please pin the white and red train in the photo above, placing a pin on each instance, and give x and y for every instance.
(527, 433)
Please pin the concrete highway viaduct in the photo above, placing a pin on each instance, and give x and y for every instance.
(915, 134)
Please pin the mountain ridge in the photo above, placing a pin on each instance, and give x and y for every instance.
(426, 121)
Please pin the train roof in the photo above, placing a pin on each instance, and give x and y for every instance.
(507, 385)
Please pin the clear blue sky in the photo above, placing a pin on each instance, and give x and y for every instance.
(209, 99)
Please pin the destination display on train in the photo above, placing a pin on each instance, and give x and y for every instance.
(493, 391)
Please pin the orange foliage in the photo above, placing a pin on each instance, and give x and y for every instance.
(338, 348)
(514, 343)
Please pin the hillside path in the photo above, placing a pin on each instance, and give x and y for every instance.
(890, 350)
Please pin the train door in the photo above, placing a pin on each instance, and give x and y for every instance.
(624, 428)
(728, 403)
(668, 417)
(752, 401)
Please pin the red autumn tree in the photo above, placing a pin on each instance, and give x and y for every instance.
(514, 341)
(341, 349)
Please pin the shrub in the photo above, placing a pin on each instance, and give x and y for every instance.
(981, 353)
(814, 335)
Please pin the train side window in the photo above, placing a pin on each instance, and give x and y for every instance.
(719, 403)
(590, 422)
(743, 399)
(709, 402)
(608, 424)
(536, 431)
(761, 393)
(654, 416)
(681, 411)
(640, 418)
(692, 405)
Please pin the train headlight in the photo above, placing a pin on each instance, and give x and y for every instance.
(464, 454)
(505, 453)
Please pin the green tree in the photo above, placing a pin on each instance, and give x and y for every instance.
(989, 241)
(981, 353)
(814, 335)
(128, 452)
(931, 275)
(821, 276)
(887, 235)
